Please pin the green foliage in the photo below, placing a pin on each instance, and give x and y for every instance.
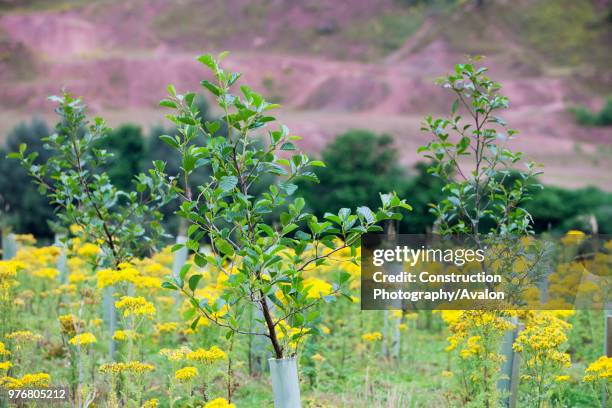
(127, 146)
(424, 189)
(126, 222)
(359, 165)
(263, 260)
(478, 193)
(561, 210)
(22, 208)
(588, 118)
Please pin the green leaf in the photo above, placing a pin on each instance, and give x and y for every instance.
(195, 322)
(367, 214)
(208, 60)
(288, 228)
(200, 260)
(169, 285)
(228, 183)
(266, 229)
(225, 247)
(288, 188)
(214, 89)
(288, 146)
(193, 281)
(184, 269)
(170, 141)
(168, 104)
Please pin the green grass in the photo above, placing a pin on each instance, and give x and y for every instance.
(45, 5)
(381, 35)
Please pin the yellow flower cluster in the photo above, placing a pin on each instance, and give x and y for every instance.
(25, 239)
(318, 358)
(77, 277)
(462, 323)
(5, 365)
(8, 273)
(22, 336)
(133, 367)
(174, 354)
(88, 250)
(207, 356)
(284, 330)
(542, 339)
(373, 336)
(219, 403)
(28, 380)
(38, 257)
(3, 350)
(573, 237)
(601, 369)
(123, 335)
(168, 327)
(46, 273)
(186, 374)
(472, 347)
(152, 403)
(137, 306)
(109, 277)
(317, 288)
(70, 324)
(83, 339)
(126, 273)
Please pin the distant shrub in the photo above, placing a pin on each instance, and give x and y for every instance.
(127, 145)
(22, 208)
(559, 209)
(359, 166)
(588, 118)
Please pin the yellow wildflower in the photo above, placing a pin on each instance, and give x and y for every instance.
(174, 354)
(46, 273)
(373, 336)
(599, 369)
(317, 288)
(77, 277)
(168, 327)
(25, 239)
(134, 367)
(186, 374)
(23, 336)
(69, 324)
(5, 365)
(219, 403)
(3, 350)
(318, 357)
(41, 380)
(109, 277)
(207, 356)
(138, 306)
(122, 335)
(83, 339)
(152, 403)
(88, 250)
(573, 237)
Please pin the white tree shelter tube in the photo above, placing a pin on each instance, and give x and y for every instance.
(285, 383)
(9, 246)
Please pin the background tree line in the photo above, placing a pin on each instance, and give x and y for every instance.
(360, 164)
